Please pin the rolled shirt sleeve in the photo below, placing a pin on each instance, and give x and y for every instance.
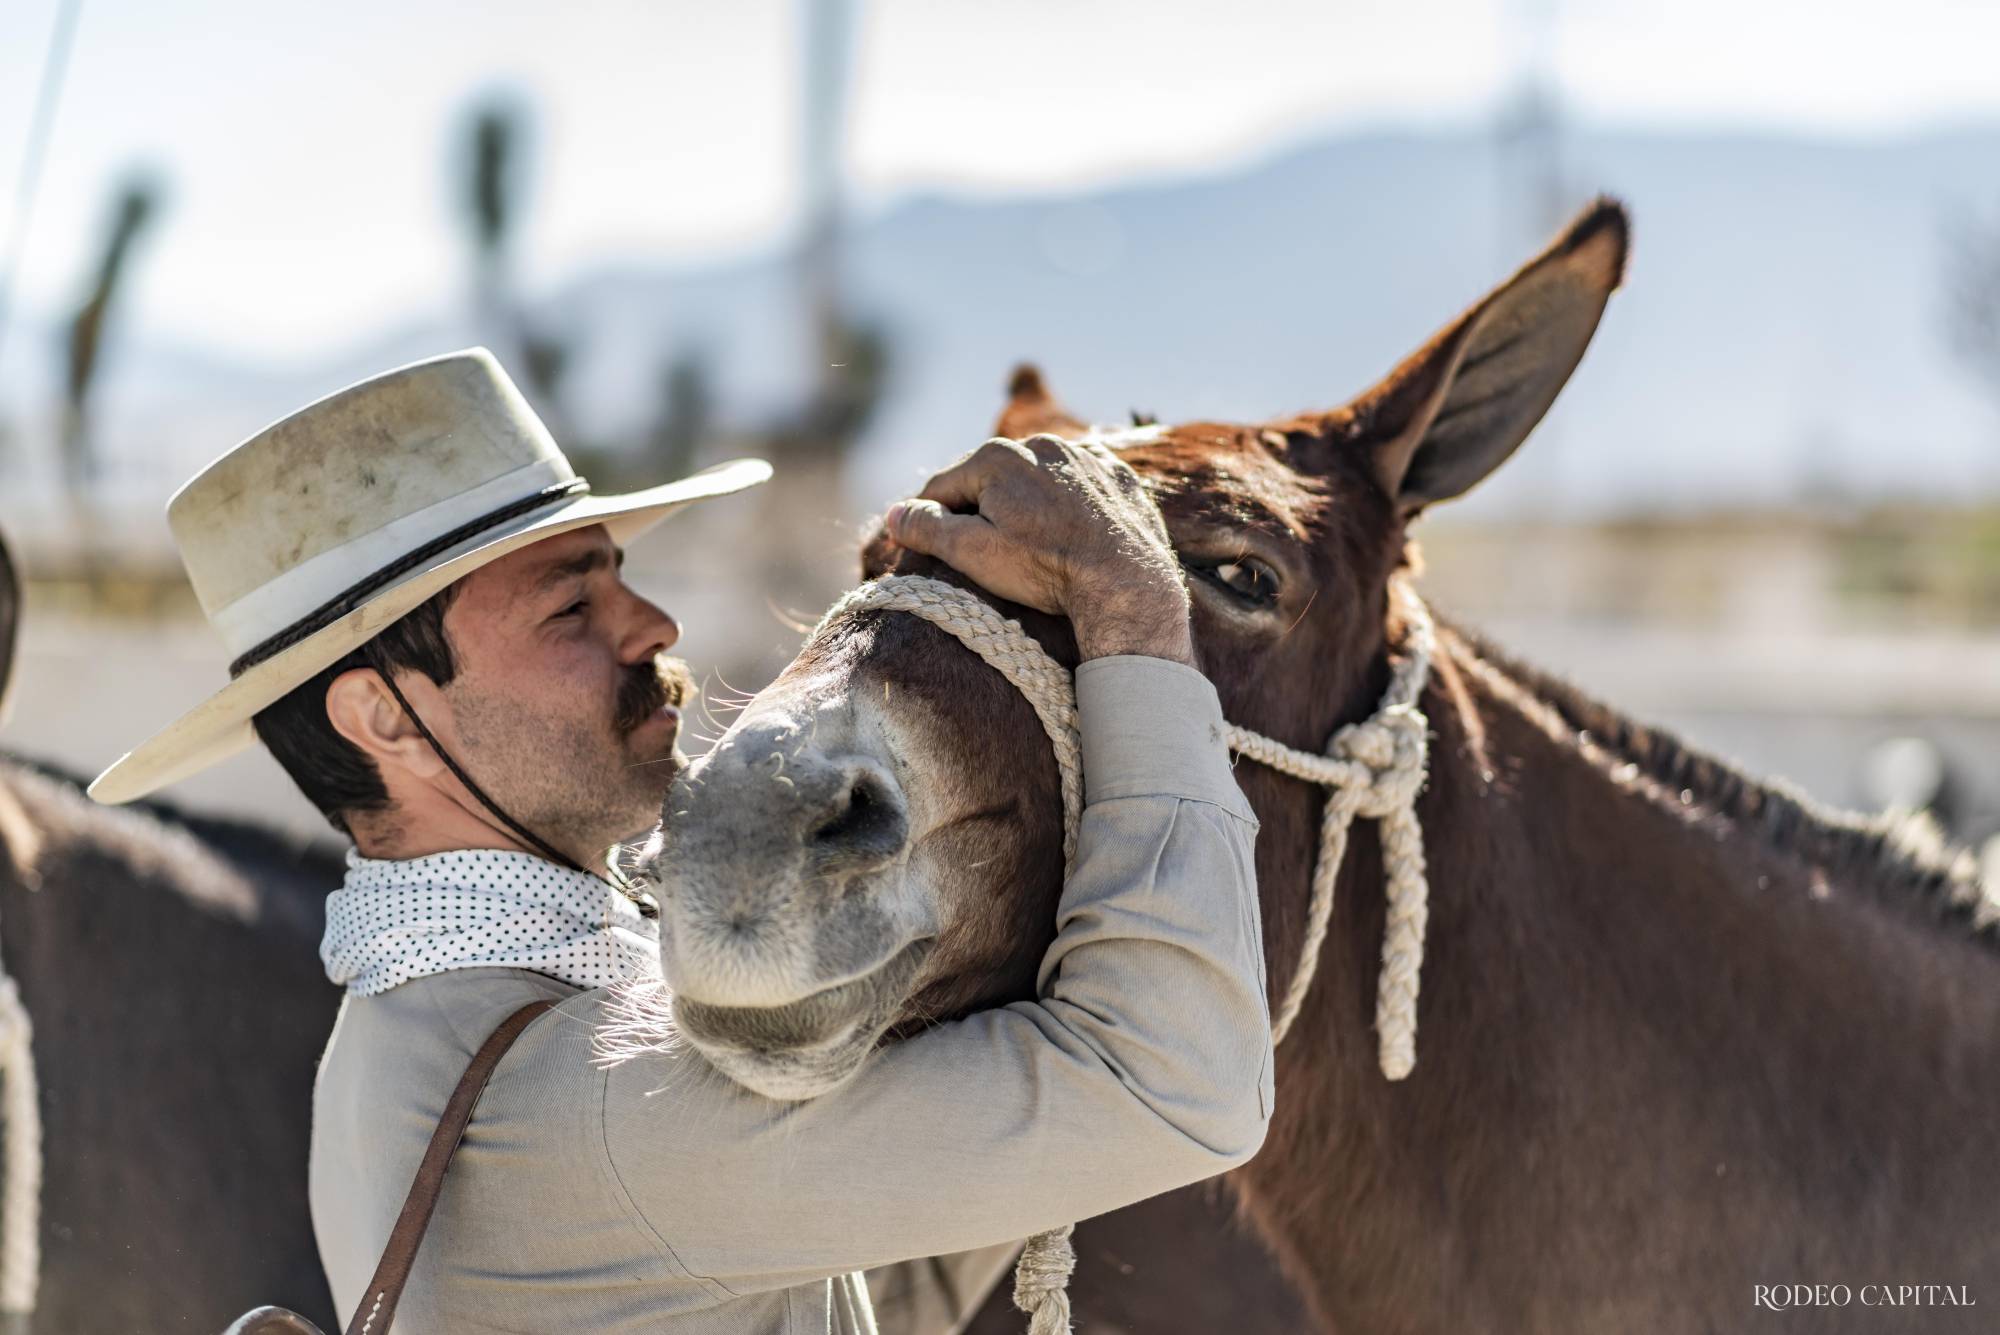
(1144, 1065)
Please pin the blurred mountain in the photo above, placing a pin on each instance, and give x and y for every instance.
(1780, 336)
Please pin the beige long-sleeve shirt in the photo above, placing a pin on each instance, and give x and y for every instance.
(659, 1196)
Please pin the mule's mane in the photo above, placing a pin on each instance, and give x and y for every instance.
(1892, 854)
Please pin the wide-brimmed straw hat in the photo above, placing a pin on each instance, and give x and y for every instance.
(309, 538)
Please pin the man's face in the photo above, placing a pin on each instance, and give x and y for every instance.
(564, 707)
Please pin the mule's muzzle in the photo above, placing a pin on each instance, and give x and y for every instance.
(823, 1020)
(804, 1048)
(780, 867)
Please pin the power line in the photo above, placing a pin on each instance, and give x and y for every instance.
(40, 130)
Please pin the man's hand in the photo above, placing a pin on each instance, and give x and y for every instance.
(1062, 528)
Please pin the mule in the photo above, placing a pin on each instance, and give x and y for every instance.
(1684, 1037)
(170, 967)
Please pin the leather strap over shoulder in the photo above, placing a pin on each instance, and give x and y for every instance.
(378, 1302)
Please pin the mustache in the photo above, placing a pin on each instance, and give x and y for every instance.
(648, 686)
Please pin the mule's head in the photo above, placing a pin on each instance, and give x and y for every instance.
(875, 845)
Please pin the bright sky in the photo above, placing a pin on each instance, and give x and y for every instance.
(306, 146)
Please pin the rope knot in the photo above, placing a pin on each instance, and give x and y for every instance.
(1373, 768)
(1041, 1281)
(1393, 747)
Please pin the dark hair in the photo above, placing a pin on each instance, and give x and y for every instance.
(336, 775)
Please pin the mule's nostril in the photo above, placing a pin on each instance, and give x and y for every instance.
(866, 826)
(861, 808)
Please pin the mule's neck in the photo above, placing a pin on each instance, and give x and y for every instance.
(1657, 1045)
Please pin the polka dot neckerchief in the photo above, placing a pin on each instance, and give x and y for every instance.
(397, 919)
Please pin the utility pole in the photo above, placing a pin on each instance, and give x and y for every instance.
(828, 30)
(40, 130)
(1533, 200)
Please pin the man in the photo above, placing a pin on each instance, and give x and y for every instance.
(432, 636)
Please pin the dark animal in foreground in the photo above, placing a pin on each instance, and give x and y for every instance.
(1681, 1033)
(170, 968)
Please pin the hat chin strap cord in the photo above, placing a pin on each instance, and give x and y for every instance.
(520, 831)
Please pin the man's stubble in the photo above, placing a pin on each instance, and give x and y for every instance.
(581, 782)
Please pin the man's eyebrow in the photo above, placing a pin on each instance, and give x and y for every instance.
(583, 563)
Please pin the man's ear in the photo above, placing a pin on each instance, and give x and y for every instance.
(362, 710)
(1461, 404)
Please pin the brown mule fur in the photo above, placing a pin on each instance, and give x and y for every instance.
(1681, 1033)
(170, 969)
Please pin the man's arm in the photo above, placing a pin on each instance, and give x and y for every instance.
(1145, 1065)
(1146, 1062)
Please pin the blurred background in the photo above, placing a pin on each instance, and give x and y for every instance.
(1766, 512)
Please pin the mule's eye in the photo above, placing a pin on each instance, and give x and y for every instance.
(1245, 579)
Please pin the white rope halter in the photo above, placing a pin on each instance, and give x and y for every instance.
(1373, 768)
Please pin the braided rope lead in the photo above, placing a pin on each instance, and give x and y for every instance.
(1374, 768)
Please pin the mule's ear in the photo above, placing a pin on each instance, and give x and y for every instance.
(10, 622)
(1458, 406)
(877, 552)
(1031, 408)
